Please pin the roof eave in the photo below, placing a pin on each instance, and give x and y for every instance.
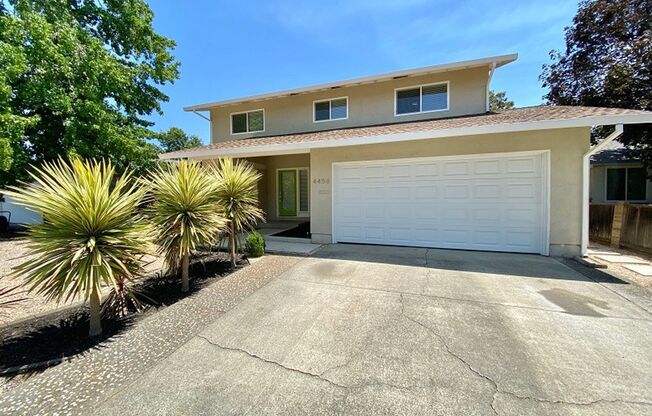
(304, 147)
(499, 60)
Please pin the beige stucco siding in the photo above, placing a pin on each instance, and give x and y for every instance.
(566, 149)
(368, 104)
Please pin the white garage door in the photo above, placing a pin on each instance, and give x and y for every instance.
(492, 202)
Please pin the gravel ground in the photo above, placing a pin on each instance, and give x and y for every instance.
(14, 251)
(75, 386)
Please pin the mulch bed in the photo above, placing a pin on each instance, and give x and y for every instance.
(49, 339)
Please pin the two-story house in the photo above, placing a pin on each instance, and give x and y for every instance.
(416, 158)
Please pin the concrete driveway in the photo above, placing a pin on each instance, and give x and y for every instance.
(384, 330)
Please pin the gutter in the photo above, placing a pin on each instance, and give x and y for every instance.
(491, 74)
(586, 170)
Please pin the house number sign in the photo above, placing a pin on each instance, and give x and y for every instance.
(321, 181)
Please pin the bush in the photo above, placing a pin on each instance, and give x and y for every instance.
(255, 243)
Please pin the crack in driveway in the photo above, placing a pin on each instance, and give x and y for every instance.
(276, 363)
(497, 388)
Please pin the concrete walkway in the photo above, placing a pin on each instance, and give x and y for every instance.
(381, 330)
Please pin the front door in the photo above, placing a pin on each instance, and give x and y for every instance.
(287, 193)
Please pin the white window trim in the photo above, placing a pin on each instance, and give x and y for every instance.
(300, 214)
(329, 100)
(448, 98)
(606, 184)
(247, 113)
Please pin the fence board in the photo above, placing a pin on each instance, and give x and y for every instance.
(600, 221)
(637, 227)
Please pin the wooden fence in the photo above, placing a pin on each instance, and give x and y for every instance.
(623, 225)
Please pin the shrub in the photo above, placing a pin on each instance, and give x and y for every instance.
(255, 244)
(185, 212)
(237, 195)
(91, 234)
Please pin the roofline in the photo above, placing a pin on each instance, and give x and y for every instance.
(499, 61)
(304, 147)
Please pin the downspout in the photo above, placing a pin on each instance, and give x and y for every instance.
(491, 74)
(586, 170)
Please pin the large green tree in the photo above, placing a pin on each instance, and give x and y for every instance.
(607, 63)
(498, 101)
(78, 78)
(176, 139)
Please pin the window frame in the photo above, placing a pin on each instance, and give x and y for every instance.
(330, 109)
(300, 214)
(420, 87)
(606, 184)
(247, 113)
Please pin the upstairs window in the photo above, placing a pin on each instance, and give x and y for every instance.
(248, 122)
(332, 109)
(626, 184)
(422, 99)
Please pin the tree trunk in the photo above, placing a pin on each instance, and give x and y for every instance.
(185, 273)
(95, 328)
(232, 244)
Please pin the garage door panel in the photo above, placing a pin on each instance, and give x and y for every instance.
(492, 203)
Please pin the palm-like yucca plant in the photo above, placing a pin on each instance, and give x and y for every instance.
(185, 212)
(91, 234)
(237, 193)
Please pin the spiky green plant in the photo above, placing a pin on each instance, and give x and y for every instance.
(237, 193)
(184, 211)
(91, 234)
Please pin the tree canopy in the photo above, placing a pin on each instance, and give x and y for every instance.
(78, 77)
(498, 101)
(607, 63)
(176, 139)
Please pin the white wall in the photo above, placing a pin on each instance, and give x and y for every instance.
(19, 214)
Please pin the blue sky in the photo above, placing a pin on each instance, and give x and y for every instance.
(229, 49)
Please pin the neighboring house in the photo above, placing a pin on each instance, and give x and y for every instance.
(618, 175)
(415, 158)
(19, 215)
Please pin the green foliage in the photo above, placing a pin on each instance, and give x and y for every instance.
(237, 195)
(78, 79)
(607, 63)
(184, 210)
(91, 234)
(255, 244)
(498, 101)
(176, 139)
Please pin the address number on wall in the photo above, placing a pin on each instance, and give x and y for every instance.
(321, 181)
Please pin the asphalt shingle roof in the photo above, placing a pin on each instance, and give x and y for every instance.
(518, 115)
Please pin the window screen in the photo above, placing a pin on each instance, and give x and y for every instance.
(256, 121)
(434, 97)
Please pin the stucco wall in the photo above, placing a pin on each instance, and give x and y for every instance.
(566, 149)
(368, 104)
(598, 188)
